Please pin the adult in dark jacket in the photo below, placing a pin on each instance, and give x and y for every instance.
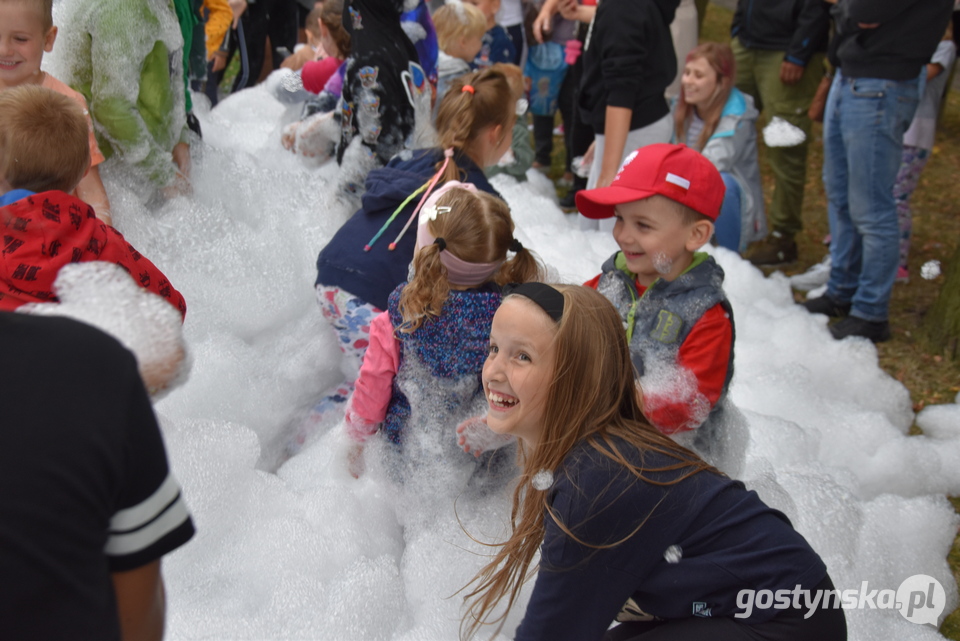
(779, 47)
(628, 62)
(89, 504)
(881, 50)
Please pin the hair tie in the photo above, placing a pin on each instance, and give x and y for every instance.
(448, 152)
(546, 297)
(468, 88)
(441, 243)
(515, 246)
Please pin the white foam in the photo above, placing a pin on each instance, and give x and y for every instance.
(310, 552)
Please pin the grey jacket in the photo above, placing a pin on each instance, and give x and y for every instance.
(733, 149)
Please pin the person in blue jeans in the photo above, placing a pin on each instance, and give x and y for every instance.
(880, 51)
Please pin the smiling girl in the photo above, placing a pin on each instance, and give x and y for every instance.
(26, 33)
(630, 526)
(719, 121)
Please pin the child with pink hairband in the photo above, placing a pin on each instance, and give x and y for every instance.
(437, 325)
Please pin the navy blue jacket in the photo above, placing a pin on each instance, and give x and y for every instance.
(728, 540)
(372, 275)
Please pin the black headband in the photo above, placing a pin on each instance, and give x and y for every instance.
(549, 299)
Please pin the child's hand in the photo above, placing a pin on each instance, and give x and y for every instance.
(289, 136)
(588, 156)
(355, 463)
(476, 437)
(219, 61)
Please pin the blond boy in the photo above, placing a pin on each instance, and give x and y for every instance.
(27, 31)
(460, 28)
(497, 45)
(44, 153)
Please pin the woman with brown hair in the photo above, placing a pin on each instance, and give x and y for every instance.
(630, 526)
(716, 119)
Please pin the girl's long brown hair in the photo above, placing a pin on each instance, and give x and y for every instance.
(720, 57)
(332, 18)
(591, 398)
(462, 115)
(478, 229)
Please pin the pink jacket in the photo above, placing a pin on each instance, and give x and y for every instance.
(371, 397)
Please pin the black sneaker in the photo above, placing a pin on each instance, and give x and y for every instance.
(569, 202)
(876, 331)
(826, 306)
(775, 249)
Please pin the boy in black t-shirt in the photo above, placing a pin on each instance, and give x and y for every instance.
(89, 505)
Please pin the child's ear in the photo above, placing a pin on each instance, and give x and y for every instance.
(49, 39)
(496, 135)
(699, 235)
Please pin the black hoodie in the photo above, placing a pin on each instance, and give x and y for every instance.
(628, 61)
(374, 101)
(897, 49)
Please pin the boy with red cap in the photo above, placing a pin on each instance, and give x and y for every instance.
(679, 323)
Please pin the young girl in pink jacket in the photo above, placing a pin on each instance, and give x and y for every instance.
(427, 350)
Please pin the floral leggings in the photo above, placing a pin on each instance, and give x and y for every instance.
(912, 163)
(350, 318)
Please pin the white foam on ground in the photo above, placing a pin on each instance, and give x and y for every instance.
(309, 552)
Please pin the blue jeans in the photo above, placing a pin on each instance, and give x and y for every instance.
(863, 129)
(727, 228)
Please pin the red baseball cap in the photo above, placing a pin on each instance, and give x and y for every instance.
(674, 171)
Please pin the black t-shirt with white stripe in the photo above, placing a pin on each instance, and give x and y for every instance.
(86, 487)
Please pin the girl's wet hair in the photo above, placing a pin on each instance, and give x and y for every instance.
(477, 228)
(592, 399)
(462, 115)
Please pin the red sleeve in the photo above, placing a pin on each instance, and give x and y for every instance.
(117, 250)
(316, 73)
(593, 282)
(706, 355)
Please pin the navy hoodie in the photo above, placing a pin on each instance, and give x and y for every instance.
(372, 275)
(721, 539)
(799, 28)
